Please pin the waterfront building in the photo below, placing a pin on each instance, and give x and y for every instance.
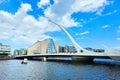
(22, 51)
(16, 52)
(46, 46)
(67, 49)
(99, 50)
(72, 49)
(61, 49)
(4, 49)
(95, 50)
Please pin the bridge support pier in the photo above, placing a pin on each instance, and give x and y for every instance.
(44, 59)
(82, 59)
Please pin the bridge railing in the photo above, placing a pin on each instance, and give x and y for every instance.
(62, 53)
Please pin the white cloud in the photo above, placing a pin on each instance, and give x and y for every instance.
(89, 5)
(22, 27)
(43, 3)
(118, 29)
(105, 26)
(60, 14)
(2, 1)
(83, 33)
(110, 13)
(118, 38)
(117, 47)
(62, 10)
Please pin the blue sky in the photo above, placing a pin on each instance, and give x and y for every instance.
(23, 22)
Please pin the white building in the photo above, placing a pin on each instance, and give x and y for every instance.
(5, 49)
(22, 51)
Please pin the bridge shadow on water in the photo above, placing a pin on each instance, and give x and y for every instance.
(107, 61)
(96, 61)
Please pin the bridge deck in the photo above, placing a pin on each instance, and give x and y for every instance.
(99, 55)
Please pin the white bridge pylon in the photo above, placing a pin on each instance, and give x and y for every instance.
(113, 53)
(78, 48)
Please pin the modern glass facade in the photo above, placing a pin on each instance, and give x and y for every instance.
(51, 46)
(47, 46)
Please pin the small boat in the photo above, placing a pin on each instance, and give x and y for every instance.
(24, 61)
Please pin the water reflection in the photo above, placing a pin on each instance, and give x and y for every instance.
(38, 70)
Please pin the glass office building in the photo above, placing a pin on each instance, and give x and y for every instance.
(50, 46)
(47, 46)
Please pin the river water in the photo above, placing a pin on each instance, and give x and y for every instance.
(39, 70)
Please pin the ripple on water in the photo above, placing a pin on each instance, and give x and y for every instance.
(38, 70)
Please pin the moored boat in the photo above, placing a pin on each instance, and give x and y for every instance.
(25, 61)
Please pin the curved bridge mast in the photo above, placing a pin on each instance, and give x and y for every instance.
(114, 54)
(78, 48)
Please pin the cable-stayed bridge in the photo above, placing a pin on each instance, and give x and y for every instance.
(81, 52)
(44, 57)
